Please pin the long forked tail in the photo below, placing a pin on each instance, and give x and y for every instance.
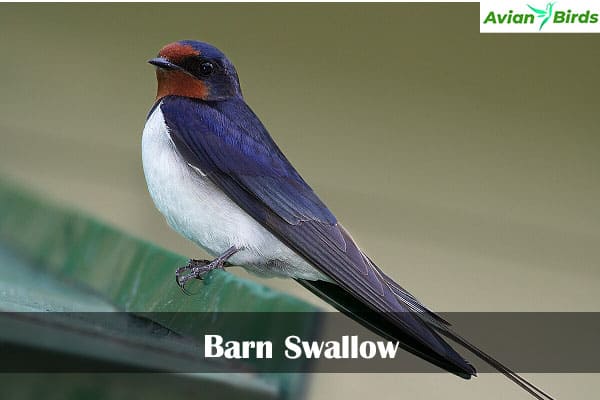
(513, 376)
(442, 327)
(348, 305)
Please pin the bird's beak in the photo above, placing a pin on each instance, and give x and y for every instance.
(162, 62)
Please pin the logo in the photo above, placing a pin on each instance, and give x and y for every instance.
(544, 14)
(513, 16)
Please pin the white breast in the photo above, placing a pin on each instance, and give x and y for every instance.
(197, 209)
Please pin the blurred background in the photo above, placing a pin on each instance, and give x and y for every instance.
(466, 165)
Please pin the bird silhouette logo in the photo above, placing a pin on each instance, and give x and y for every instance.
(544, 14)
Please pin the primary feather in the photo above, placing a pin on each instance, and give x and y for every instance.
(228, 143)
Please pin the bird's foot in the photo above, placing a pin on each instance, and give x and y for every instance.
(199, 268)
(196, 269)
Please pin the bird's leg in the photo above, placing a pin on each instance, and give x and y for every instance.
(199, 268)
(191, 264)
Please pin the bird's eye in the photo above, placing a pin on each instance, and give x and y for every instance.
(206, 68)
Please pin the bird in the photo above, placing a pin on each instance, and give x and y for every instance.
(544, 14)
(220, 180)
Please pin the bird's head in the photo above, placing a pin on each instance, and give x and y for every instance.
(194, 69)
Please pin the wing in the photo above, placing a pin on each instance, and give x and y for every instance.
(540, 13)
(228, 143)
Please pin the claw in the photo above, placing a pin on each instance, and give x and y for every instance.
(199, 268)
(181, 279)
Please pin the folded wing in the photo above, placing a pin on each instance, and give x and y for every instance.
(227, 142)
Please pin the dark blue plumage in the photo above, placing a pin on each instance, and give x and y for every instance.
(228, 143)
(225, 83)
(215, 132)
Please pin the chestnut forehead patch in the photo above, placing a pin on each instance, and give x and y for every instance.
(177, 51)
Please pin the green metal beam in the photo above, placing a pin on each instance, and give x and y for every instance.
(57, 259)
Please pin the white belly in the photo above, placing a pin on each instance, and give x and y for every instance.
(197, 209)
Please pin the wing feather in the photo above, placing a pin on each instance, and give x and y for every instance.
(229, 144)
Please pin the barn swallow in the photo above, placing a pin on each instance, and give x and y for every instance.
(220, 180)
